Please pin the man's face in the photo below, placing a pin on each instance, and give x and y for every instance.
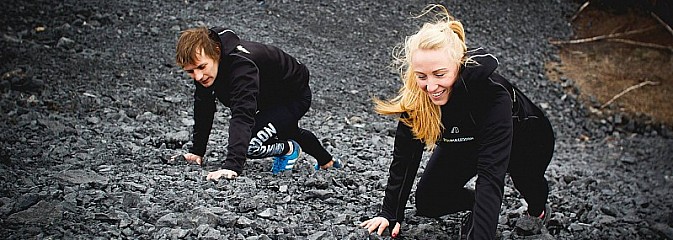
(204, 70)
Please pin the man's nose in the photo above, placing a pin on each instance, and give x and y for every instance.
(198, 75)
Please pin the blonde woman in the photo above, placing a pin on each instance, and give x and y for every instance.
(476, 122)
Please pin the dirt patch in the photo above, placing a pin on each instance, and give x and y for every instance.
(627, 73)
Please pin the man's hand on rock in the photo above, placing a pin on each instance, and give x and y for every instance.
(223, 173)
(189, 157)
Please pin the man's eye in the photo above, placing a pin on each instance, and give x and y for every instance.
(189, 71)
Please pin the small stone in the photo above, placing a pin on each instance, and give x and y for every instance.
(243, 222)
(267, 213)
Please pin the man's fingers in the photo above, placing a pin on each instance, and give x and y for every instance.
(226, 173)
(230, 174)
(176, 158)
(213, 176)
(190, 158)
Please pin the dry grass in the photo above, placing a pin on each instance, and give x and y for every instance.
(604, 68)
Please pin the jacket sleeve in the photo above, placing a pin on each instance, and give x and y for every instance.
(494, 121)
(244, 91)
(204, 110)
(406, 159)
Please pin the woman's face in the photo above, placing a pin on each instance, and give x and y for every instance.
(435, 73)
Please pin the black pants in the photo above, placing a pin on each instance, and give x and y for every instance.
(276, 124)
(441, 191)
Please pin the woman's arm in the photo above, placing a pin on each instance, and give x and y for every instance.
(406, 159)
(494, 120)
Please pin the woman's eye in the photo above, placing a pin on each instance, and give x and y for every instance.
(439, 75)
(422, 77)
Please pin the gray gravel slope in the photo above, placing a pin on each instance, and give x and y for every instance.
(92, 103)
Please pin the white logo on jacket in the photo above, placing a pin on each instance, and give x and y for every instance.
(242, 49)
(457, 140)
(455, 130)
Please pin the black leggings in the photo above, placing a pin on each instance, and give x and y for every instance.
(441, 191)
(279, 123)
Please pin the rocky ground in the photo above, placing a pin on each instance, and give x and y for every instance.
(92, 104)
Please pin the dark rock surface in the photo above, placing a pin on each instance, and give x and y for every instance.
(93, 104)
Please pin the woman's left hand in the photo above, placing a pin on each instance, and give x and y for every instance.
(380, 224)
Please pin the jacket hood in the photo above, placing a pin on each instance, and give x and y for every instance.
(480, 65)
(229, 41)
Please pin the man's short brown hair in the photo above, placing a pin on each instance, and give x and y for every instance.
(191, 42)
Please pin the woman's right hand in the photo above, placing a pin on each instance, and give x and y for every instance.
(190, 158)
(379, 224)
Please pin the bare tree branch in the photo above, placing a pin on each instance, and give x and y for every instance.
(601, 37)
(662, 23)
(642, 44)
(580, 10)
(631, 88)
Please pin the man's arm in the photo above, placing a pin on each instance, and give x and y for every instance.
(204, 111)
(244, 91)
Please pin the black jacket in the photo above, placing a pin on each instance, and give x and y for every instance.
(251, 77)
(478, 121)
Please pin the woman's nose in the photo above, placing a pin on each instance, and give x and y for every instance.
(431, 87)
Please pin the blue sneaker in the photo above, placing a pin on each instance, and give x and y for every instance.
(286, 162)
(337, 164)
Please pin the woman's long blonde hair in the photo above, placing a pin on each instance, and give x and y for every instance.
(424, 117)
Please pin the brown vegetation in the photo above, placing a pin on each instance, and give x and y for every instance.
(619, 61)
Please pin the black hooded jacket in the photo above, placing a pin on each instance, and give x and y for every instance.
(479, 120)
(251, 77)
